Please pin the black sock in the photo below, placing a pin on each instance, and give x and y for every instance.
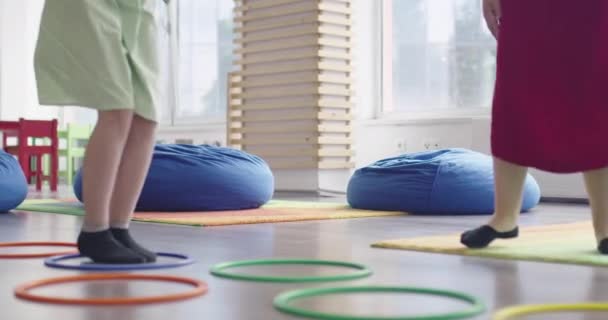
(484, 235)
(124, 237)
(602, 247)
(101, 247)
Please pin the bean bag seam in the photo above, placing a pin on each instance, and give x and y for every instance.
(437, 172)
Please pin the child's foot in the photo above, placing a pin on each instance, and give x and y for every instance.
(101, 247)
(484, 235)
(602, 247)
(124, 237)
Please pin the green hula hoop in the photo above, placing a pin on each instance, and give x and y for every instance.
(220, 270)
(282, 303)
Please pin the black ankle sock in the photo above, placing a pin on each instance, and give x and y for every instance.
(101, 247)
(484, 235)
(124, 237)
(602, 247)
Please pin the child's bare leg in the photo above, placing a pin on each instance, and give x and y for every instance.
(132, 172)
(596, 182)
(509, 183)
(101, 162)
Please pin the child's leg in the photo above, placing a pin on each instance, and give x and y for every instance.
(596, 182)
(509, 183)
(101, 161)
(132, 172)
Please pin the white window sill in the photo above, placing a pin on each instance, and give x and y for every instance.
(424, 118)
(189, 127)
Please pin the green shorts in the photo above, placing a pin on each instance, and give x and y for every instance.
(100, 54)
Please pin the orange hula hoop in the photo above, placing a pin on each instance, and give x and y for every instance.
(23, 291)
(36, 244)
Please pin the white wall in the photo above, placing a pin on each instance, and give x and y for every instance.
(19, 32)
(375, 139)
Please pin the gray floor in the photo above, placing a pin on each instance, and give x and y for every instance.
(498, 283)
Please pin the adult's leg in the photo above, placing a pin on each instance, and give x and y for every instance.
(596, 182)
(509, 183)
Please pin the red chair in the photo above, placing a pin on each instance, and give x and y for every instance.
(29, 131)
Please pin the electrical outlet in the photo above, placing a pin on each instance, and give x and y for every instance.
(402, 145)
(432, 144)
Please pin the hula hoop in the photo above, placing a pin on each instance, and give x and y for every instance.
(57, 262)
(219, 270)
(512, 313)
(282, 303)
(23, 291)
(35, 244)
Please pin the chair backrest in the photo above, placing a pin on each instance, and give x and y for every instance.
(38, 128)
(79, 131)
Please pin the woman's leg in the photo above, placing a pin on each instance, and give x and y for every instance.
(101, 162)
(509, 183)
(596, 182)
(132, 173)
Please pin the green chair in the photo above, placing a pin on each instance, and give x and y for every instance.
(75, 137)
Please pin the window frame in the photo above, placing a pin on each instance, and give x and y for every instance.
(385, 108)
(174, 90)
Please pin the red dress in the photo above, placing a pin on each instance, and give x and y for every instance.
(551, 98)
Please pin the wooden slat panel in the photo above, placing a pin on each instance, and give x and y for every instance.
(279, 45)
(343, 44)
(324, 103)
(286, 41)
(300, 7)
(281, 140)
(325, 115)
(292, 164)
(323, 30)
(330, 79)
(274, 34)
(309, 164)
(336, 165)
(305, 53)
(297, 67)
(304, 152)
(284, 79)
(295, 115)
(320, 103)
(291, 92)
(261, 4)
(293, 44)
(335, 79)
(335, 20)
(282, 34)
(278, 128)
(266, 25)
(283, 8)
(330, 7)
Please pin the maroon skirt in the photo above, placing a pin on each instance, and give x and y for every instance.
(550, 107)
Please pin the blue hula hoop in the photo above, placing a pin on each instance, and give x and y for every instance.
(58, 263)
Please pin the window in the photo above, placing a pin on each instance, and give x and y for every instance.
(203, 59)
(437, 56)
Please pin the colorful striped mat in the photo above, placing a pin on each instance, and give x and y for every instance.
(572, 243)
(274, 211)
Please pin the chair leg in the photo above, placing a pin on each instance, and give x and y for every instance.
(54, 168)
(39, 172)
(70, 171)
(24, 162)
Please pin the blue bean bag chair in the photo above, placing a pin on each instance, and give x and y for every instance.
(443, 182)
(13, 186)
(202, 178)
